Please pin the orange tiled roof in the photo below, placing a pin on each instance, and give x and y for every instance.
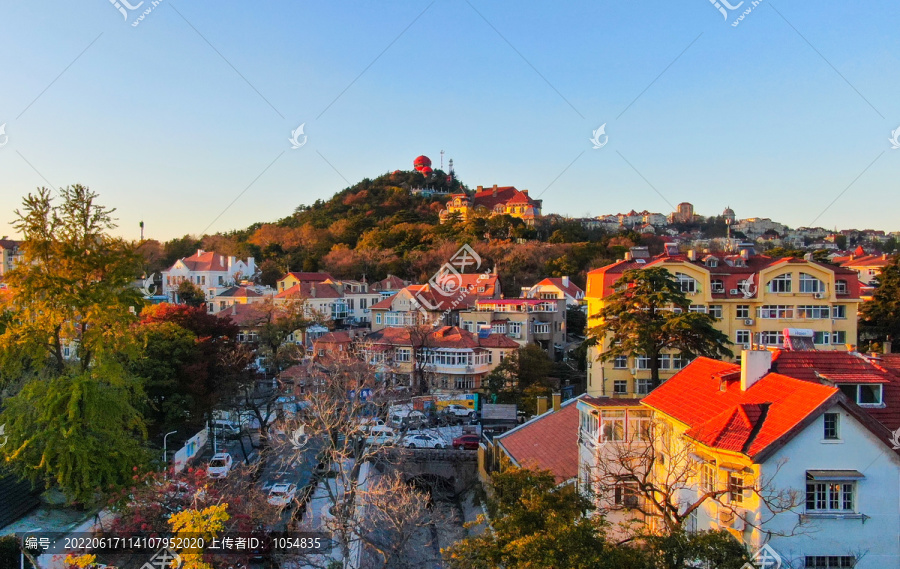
(505, 194)
(549, 442)
(572, 290)
(309, 277)
(203, 261)
(239, 292)
(749, 422)
(309, 290)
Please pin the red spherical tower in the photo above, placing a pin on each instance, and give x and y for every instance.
(422, 162)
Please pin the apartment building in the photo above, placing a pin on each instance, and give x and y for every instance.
(524, 320)
(452, 359)
(10, 255)
(754, 298)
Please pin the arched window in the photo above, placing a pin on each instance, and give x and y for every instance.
(781, 283)
(809, 283)
(686, 283)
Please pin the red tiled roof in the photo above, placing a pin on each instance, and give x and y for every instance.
(497, 341)
(443, 337)
(244, 315)
(572, 290)
(389, 283)
(384, 303)
(750, 421)
(847, 367)
(338, 337)
(549, 442)
(9, 244)
(864, 261)
(203, 261)
(505, 194)
(600, 281)
(309, 290)
(436, 300)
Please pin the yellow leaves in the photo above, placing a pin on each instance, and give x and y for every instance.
(81, 561)
(203, 523)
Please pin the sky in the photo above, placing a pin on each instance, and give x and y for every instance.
(183, 119)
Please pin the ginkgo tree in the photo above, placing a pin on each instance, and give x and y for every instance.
(70, 407)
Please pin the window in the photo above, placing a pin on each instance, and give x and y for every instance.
(665, 361)
(363, 303)
(679, 361)
(736, 487)
(639, 425)
(822, 338)
(813, 311)
(839, 311)
(830, 496)
(499, 328)
(625, 495)
(464, 382)
(839, 337)
(776, 311)
(221, 280)
(743, 311)
(350, 304)
(589, 424)
(781, 283)
(717, 285)
(829, 562)
(612, 425)
(715, 310)
(642, 386)
(686, 283)
(708, 479)
(643, 362)
(378, 318)
(403, 355)
(863, 393)
(832, 426)
(515, 329)
(542, 328)
(620, 387)
(809, 283)
(701, 308)
(771, 338)
(742, 337)
(621, 362)
(840, 287)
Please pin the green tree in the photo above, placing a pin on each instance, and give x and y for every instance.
(535, 523)
(74, 287)
(521, 377)
(190, 294)
(74, 422)
(880, 317)
(576, 320)
(639, 318)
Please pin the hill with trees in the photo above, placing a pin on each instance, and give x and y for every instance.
(379, 226)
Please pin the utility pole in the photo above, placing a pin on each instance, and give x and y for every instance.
(165, 455)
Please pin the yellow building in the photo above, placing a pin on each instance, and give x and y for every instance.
(498, 200)
(753, 297)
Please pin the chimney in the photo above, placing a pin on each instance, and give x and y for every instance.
(312, 290)
(231, 261)
(525, 192)
(541, 404)
(886, 347)
(745, 254)
(565, 281)
(479, 188)
(755, 364)
(199, 252)
(557, 401)
(629, 256)
(692, 255)
(494, 192)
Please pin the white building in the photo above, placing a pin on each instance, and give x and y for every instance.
(207, 270)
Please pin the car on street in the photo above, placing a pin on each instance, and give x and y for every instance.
(282, 494)
(422, 440)
(226, 429)
(219, 466)
(466, 442)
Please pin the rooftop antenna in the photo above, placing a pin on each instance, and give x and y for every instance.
(142, 230)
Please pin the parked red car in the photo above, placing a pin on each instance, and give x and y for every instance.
(467, 442)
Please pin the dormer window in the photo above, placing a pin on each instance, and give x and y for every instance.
(863, 394)
(711, 262)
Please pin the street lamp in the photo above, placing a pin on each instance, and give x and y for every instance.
(165, 455)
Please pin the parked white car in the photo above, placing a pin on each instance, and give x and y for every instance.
(422, 440)
(219, 466)
(282, 494)
(380, 435)
(459, 410)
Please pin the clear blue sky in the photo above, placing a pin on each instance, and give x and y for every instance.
(168, 131)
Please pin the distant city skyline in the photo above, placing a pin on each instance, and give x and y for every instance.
(199, 116)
